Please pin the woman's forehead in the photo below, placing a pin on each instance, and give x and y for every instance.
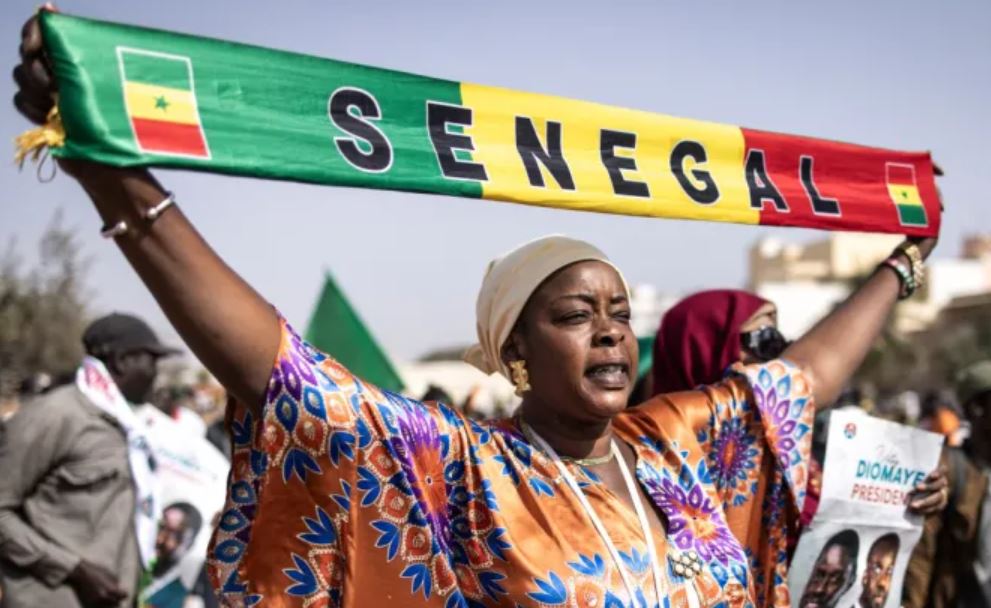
(590, 277)
(767, 314)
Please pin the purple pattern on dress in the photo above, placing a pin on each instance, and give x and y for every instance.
(732, 455)
(417, 447)
(290, 378)
(694, 522)
(787, 425)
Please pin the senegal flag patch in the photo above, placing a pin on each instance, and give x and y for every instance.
(161, 103)
(904, 193)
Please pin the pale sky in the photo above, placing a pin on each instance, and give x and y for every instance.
(905, 75)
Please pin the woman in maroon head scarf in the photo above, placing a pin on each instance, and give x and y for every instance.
(701, 336)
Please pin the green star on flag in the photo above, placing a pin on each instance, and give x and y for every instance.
(161, 103)
(904, 192)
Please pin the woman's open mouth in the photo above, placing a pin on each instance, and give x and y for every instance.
(609, 375)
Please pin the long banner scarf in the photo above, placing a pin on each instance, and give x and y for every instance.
(95, 383)
(130, 96)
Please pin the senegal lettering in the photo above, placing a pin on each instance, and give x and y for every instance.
(365, 146)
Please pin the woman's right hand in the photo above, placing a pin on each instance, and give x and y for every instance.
(36, 86)
(35, 96)
(35, 83)
(233, 331)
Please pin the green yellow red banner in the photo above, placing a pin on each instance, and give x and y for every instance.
(132, 96)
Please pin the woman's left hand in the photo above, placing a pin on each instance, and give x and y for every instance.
(931, 495)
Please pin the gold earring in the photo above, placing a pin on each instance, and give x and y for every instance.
(521, 378)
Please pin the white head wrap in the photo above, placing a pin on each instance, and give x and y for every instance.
(510, 281)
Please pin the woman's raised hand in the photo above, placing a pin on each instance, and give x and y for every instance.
(232, 330)
(833, 349)
(36, 86)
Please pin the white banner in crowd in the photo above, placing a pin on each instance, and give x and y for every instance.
(855, 551)
(192, 474)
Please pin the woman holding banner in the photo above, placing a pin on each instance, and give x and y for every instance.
(343, 494)
(702, 335)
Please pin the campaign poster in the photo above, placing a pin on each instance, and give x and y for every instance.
(855, 551)
(192, 476)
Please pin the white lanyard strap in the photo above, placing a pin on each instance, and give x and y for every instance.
(597, 523)
(631, 487)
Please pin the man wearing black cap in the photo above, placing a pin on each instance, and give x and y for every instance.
(78, 498)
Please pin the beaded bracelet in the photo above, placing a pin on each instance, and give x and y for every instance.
(911, 251)
(905, 277)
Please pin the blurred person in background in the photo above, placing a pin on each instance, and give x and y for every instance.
(470, 404)
(219, 436)
(706, 333)
(701, 336)
(208, 401)
(77, 493)
(903, 408)
(176, 401)
(974, 391)
(941, 414)
(958, 573)
(437, 395)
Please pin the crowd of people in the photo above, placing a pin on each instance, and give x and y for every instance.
(78, 525)
(78, 492)
(687, 488)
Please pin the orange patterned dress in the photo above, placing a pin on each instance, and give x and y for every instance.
(346, 495)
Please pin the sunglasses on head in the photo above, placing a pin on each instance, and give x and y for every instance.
(765, 344)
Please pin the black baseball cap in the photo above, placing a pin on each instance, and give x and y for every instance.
(122, 333)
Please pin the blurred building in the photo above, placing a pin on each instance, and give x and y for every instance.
(807, 280)
(960, 335)
(647, 306)
(967, 310)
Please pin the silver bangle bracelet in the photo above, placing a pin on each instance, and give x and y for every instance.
(155, 212)
(112, 232)
(121, 228)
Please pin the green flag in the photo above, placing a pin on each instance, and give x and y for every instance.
(336, 328)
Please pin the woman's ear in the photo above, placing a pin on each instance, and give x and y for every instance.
(513, 349)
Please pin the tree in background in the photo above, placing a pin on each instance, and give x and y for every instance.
(953, 346)
(43, 309)
(926, 360)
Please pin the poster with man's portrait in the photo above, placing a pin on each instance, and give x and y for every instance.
(863, 567)
(855, 551)
(192, 477)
